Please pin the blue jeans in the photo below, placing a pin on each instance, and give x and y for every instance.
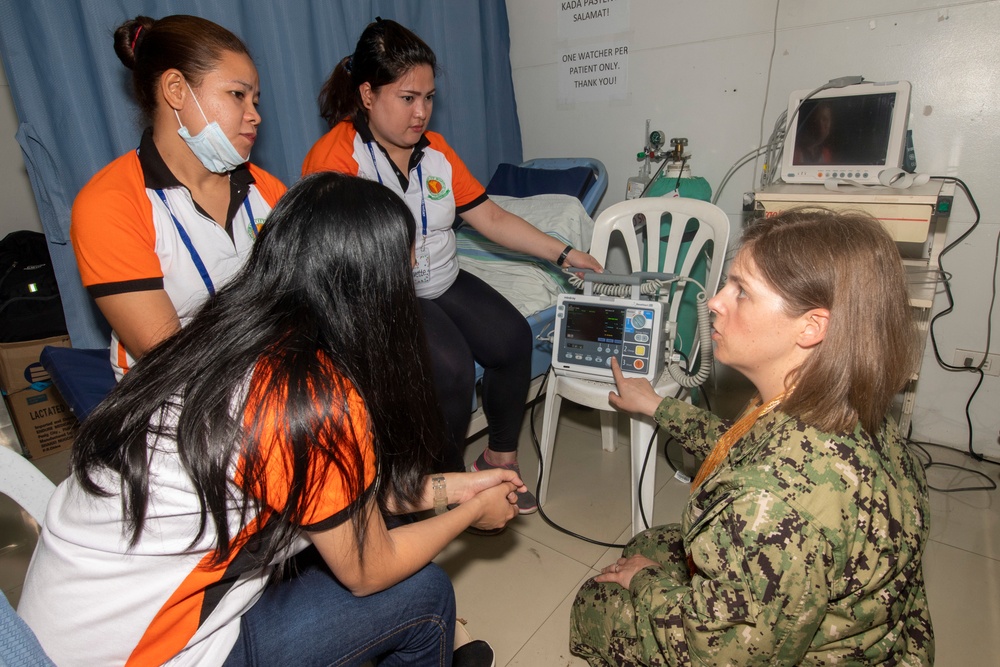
(309, 618)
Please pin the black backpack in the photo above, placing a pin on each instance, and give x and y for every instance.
(30, 307)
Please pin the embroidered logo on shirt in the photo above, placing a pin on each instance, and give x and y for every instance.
(253, 229)
(436, 188)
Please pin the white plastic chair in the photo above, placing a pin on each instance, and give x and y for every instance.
(24, 483)
(29, 488)
(693, 225)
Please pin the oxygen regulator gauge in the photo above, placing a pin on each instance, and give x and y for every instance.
(656, 140)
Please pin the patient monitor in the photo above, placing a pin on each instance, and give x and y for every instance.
(592, 330)
(623, 317)
(856, 132)
(617, 317)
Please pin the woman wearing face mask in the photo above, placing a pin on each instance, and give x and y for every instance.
(378, 102)
(164, 226)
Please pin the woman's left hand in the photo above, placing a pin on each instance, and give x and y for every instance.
(464, 485)
(578, 259)
(622, 570)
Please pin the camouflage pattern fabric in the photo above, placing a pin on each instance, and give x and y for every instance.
(807, 547)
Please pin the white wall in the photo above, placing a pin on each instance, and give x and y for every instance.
(699, 70)
(17, 203)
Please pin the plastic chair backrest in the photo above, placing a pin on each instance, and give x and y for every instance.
(24, 483)
(698, 251)
(29, 488)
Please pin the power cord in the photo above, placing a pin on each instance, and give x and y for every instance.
(767, 91)
(946, 282)
(920, 446)
(541, 474)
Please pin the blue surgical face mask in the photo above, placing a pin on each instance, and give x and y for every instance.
(211, 145)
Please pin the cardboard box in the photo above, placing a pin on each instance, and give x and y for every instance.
(42, 420)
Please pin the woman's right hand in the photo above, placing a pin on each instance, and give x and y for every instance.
(496, 506)
(634, 395)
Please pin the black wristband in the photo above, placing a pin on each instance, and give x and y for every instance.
(565, 253)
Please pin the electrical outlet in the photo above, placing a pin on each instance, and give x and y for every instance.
(971, 359)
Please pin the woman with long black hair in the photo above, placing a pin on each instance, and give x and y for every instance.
(294, 408)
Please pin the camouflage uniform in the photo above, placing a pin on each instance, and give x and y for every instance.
(808, 551)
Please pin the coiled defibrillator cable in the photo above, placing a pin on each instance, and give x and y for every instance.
(654, 287)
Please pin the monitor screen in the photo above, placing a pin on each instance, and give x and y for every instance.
(844, 130)
(852, 133)
(590, 331)
(594, 324)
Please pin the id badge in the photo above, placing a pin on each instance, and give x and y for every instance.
(422, 270)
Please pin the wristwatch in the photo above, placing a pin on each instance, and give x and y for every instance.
(440, 494)
(565, 253)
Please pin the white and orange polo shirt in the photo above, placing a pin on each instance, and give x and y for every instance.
(437, 187)
(92, 599)
(127, 238)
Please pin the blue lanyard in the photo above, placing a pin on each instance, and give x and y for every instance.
(374, 163)
(423, 206)
(253, 223)
(420, 179)
(195, 257)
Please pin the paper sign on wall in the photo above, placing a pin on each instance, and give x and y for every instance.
(597, 71)
(592, 18)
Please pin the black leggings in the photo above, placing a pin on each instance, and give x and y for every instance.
(472, 321)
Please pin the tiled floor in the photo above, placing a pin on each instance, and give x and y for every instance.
(515, 589)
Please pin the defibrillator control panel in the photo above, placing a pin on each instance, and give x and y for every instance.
(590, 331)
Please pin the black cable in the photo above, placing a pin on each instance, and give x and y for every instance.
(652, 179)
(645, 463)
(671, 438)
(642, 475)
(666, 446)
(947, 282)
(541, 474)
(704, 397)
(930, 462)
(700, 388)
(680, 172)
(951, 368)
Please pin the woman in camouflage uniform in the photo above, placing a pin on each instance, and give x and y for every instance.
(802, 540)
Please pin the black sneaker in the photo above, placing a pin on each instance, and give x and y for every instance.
(526, 503)
(476, 653)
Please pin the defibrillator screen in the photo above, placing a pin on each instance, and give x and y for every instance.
(595, 323)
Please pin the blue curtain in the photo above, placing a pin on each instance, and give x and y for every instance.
(73, 97)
